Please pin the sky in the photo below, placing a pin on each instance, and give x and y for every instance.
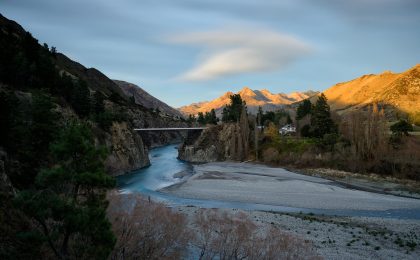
(185, 51)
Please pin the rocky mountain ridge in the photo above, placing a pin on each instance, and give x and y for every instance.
(253, 98)
(143, 98)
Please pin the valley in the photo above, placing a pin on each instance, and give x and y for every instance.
(93, 167)
(341, 222)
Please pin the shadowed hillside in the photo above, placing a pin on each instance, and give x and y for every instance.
(143, 98)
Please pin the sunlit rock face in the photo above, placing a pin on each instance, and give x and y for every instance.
(226, 142)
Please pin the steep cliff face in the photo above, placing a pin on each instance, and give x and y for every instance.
(127, 150)
(218, 143)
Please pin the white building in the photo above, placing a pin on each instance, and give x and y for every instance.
(287, 129)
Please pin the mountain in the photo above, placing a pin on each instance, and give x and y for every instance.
(30, 72)
(396, 91)
(143, 98)
(253, 98)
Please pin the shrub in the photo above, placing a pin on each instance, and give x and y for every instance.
(271, 155)
(146, 230)
(149, 230)
(224, 236)
(305, 131)
(330, 139)
(272, 132)
(401, 127)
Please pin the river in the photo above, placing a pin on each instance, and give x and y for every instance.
(164, 165)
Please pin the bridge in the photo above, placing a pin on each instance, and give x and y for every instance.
(170, 129)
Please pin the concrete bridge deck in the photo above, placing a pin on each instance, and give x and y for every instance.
(170, 129)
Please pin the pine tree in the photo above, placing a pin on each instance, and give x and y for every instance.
(303, 109)
(321, 122)
(225, 114)
(191, 120)
(68, 203)
(260, 116)
(98, 103)
(200, 119)
(80, 99)
(401, 127)
(211, 118)
(232, 112)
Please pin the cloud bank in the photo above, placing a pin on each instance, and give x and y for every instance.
(232, 52)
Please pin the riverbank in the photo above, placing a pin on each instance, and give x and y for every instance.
(254, 188)
(259, 184)
(368, 182)
(341, 237)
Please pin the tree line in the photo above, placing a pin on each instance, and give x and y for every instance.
(56, 205)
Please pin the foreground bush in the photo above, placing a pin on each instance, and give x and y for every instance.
(223, 236)
(149, 230)
(146, 230)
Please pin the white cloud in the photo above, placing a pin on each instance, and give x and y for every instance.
(230, 52)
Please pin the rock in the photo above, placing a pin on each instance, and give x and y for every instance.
(128, 152)
(217, 143)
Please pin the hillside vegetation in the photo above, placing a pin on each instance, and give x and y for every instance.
(64, 130)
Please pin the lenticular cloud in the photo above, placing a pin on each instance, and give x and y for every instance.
(232, 52)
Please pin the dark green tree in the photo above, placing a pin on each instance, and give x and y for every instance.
(232, 112)
(98, 103)
(321, 122)
(132, 100)
(31, 127)
(269, 116)
(191, 119)
(54, 51)
(305, 131)
(200, 118)
(260, 116)
(236, 107)
(68, 203)
(211, 117)
(303, 109)
(278, 117)
(80, 98)
(289, 119)
(8, 114)
(225, 114)
(401, 127)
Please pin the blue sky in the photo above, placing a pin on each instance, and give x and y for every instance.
(184, 51)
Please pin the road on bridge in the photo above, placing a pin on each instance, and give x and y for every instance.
(170, 129)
